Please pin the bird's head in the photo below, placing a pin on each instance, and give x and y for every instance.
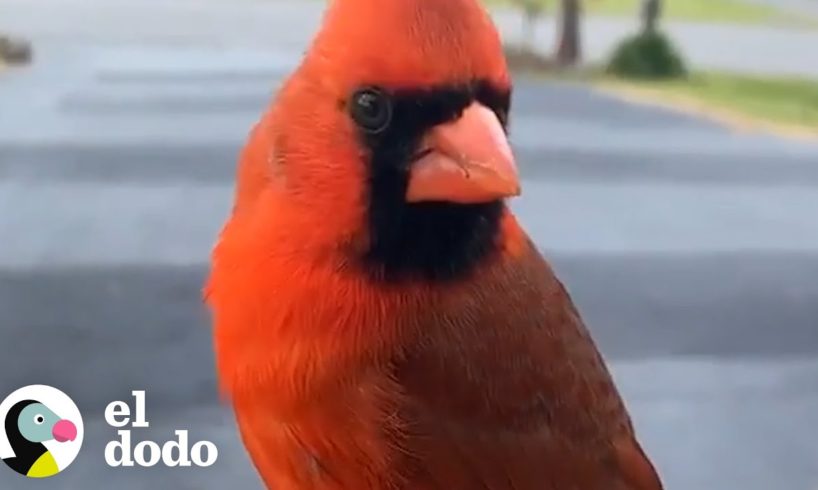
(390, 141)
(35, 422)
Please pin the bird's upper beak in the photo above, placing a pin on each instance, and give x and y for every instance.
(466, 161)
(64, 431)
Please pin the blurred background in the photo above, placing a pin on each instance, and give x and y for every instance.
(669, 151)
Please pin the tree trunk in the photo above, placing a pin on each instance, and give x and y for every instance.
(529, 24)
(532, 10)
(569, 51)
(651, 11)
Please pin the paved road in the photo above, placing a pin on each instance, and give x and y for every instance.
(691, 251)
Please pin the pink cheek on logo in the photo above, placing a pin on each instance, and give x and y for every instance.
(64, 430)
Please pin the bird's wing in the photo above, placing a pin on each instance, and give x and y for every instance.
(507, 391)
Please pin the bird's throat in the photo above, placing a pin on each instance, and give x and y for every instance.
(430, 241)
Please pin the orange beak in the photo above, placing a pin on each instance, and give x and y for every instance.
(467, 161)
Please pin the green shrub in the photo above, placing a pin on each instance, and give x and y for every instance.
(647, 55)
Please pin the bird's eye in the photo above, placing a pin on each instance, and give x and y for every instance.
(371, 109)
(39, 419)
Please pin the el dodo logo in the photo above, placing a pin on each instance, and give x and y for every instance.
(173, 453)
(42, 431)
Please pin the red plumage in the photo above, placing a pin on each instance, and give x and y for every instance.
(342, 379)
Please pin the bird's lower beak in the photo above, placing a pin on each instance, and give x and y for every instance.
(64, 431)
(467, 161)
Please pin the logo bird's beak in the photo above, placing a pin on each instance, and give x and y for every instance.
(64, 431)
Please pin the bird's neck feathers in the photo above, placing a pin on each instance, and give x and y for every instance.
(311, 312)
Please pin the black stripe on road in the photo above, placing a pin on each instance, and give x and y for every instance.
(100, 331)
(205, 163)
(210, 162)
(168, 105)
(634, 166)
(725, 304)
(208, 76)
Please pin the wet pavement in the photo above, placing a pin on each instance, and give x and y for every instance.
(692, 252)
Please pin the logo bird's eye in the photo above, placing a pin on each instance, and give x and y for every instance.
(371, 109)
(39, 419)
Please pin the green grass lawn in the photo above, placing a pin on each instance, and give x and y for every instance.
(779, 100)
(735, 11)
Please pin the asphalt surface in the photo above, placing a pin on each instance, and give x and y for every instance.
(692, 251)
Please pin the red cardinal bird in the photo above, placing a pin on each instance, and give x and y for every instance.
(381, 319)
